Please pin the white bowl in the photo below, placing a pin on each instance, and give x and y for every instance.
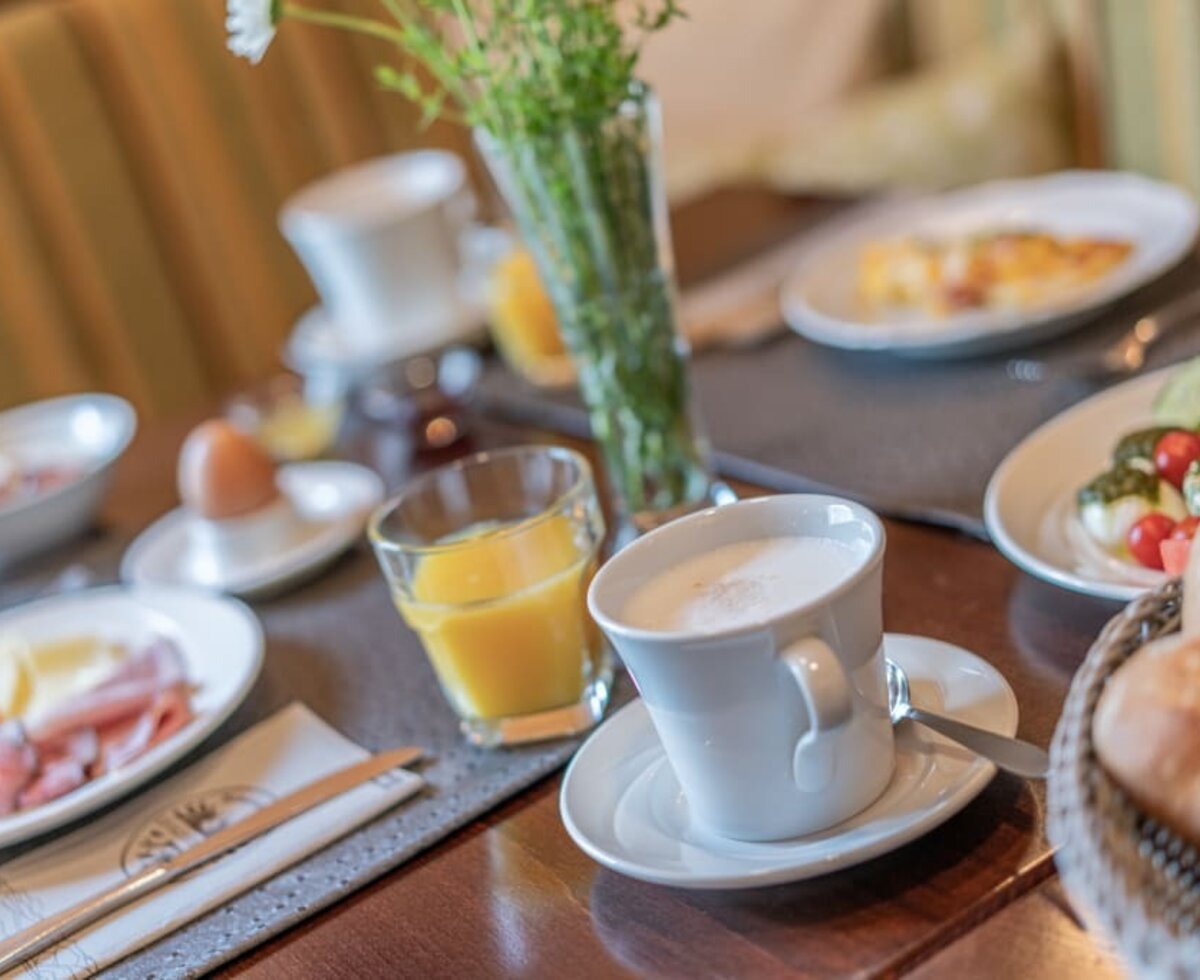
(88, 431)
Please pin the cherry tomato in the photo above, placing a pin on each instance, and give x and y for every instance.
(1174, 453)
(1145, 537)
(1185, 530)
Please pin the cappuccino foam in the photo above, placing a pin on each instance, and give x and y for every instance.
(741, 584)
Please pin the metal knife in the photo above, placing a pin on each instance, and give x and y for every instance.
(1126, 356)
(41, 936)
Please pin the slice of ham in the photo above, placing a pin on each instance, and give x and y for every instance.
(160, 661)
(124, 741)
(82, 745)
(18, 764)
(131, 690)
(55, 779)
(59, 767)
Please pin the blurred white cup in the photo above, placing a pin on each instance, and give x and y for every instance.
(387, 244)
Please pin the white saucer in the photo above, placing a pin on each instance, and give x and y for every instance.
(333, 500)
(623, 806)
(316, 347)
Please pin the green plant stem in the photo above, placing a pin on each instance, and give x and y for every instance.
(393, 8)
(345, 22)
(490, 111)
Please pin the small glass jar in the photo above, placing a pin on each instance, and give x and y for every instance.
(293, 418)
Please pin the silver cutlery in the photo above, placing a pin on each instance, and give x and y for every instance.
(1017, 756)
(42, 935)
(1124, 357)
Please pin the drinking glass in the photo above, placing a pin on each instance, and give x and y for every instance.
(489, 560)
(293, 418)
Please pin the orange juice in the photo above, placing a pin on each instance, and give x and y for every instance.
(524, 324)
(504, 620)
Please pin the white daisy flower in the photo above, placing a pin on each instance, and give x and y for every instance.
(251, 27)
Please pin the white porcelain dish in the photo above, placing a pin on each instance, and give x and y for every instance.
(88, 432)
(317, 349)
(332, 500)
(622, 805)
(222, 644)
(1029, 507)
(820, 297)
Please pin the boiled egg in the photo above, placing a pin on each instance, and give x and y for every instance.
(224, 473)
(1109, 523)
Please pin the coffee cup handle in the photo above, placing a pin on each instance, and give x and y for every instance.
(826, 691)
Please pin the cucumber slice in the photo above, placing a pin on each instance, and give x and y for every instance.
(1178, 401)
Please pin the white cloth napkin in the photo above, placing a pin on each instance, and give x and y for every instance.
(281, 754)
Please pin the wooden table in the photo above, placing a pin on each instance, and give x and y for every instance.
(511, 895)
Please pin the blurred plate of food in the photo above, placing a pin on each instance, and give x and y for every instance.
(1104, 499)
(56, 457)
(102, 690)
(988, 268)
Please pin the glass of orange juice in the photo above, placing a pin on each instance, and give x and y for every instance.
(524, 324)
(489, 560)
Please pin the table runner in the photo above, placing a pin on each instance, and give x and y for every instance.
(915, 439)
(338, 646)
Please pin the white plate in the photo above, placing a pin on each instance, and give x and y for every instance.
(622, 805)
(334, 501)
(86, 431)
(820, 298)
(1029, 507)
(222, 645)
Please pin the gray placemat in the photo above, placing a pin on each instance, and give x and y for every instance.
(339, 646)
(915, 439)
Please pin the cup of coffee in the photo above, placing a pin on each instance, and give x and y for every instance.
(389, 246)
(754, 633)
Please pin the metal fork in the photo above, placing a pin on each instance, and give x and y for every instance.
(1124, 357)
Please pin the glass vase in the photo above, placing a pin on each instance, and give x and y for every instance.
(590, 205)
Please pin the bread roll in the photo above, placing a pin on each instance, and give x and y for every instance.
(1146, 730)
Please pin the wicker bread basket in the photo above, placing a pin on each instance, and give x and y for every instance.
(1138, 881)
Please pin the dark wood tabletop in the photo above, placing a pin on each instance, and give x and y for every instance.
(510, 894)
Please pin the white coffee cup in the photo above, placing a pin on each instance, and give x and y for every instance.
(387, 245)
(780, 727)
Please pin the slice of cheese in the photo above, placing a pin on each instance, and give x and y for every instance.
(34, 678)
(14, 677)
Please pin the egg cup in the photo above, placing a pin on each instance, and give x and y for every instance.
(219, 547)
